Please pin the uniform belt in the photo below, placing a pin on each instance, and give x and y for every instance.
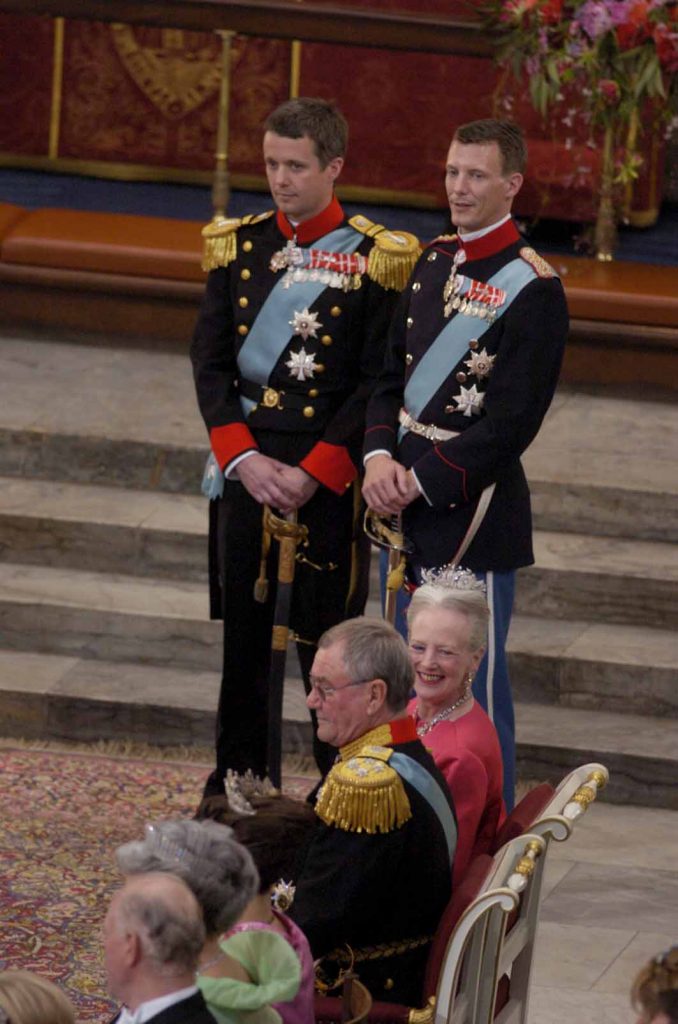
(427, 430)
(378, 952)
(270, 398)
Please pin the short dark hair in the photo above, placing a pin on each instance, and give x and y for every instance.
(373, 649)
(506, 134)
(320, 120)
(274, 834)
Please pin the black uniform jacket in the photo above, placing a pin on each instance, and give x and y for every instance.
(189, 1011)
(324, 411)
(515, 386)
(367, 889)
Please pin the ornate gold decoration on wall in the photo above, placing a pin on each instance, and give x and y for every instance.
(177, 76)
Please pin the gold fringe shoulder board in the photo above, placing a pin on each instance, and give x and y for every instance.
(364, 794)
(220, 238)
(537, 262)
(393, 255)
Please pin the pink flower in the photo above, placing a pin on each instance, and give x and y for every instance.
(594, 18)
(610, 91)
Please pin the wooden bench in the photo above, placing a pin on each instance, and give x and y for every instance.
(140, 277)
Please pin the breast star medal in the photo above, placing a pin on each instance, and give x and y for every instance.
(301, 364)
(480, 364)
(469, 401)
(305, 323)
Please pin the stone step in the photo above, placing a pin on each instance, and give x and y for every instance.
(108, 616)
(601, 579)
(614, 507)
(628, 669)
(595, 579)
(55, 697)
(640, 751)
(69, 698)
(105, 529)
(133, 619)
(606, 465)
(161, 535)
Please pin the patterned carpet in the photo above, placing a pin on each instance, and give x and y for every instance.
(62, 814)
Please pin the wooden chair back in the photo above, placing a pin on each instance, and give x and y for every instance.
(496, 931)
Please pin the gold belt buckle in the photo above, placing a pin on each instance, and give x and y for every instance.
(271, 398)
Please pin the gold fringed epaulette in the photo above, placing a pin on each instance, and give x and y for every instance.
(393, 255)
(537, 262)
(256, 218)
(219, 242)
(220, 239)
(364, 794)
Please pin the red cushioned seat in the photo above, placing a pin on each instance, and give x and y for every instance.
(10, 215)
(106, 243)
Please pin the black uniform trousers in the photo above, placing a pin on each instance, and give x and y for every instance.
(330, 585)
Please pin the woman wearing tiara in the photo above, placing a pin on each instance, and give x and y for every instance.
(273, 828)
(447, 628)
(253, 975)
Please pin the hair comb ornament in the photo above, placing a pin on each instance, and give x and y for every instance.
(166, 847)
(453, 577)
(282, 895)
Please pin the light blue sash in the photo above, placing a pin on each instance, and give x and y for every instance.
(452, 342)
(426, 786)
(269, 333)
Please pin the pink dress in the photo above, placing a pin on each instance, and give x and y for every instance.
(467, 752)
(300, 1009)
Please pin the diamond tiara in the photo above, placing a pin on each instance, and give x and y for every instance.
(453, 577)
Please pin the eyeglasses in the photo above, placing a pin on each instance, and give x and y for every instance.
(325, 692)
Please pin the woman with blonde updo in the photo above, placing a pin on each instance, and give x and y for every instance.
(26, 998)
(654, 994)
(447, 628)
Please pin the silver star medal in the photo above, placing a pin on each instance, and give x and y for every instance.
(480, 364)
(305, 323)
(469, 401)
(301, 364)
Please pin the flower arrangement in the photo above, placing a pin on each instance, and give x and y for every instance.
(599, 63)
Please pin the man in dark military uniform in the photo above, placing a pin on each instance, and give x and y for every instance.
(376, 874)
(472, 365)
(287, 348)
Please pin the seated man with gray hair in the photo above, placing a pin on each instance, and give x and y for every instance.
(153, 934)
(376, 876)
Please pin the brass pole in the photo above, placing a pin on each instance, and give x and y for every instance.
(220, 188)
(295, 68)
(57, 87)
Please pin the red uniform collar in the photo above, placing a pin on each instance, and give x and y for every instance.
(403, 730)
(400, 730)
(329, 219)
(479, 248)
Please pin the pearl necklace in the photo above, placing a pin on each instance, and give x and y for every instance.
(425, 727)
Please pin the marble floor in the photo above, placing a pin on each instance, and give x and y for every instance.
(610, 902)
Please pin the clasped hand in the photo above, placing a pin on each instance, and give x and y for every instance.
(273, 483)
(388, 487)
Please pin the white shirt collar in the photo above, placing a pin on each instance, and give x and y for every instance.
(470, 236)
(152, 1007)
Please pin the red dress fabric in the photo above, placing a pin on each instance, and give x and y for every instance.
(466, 750)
